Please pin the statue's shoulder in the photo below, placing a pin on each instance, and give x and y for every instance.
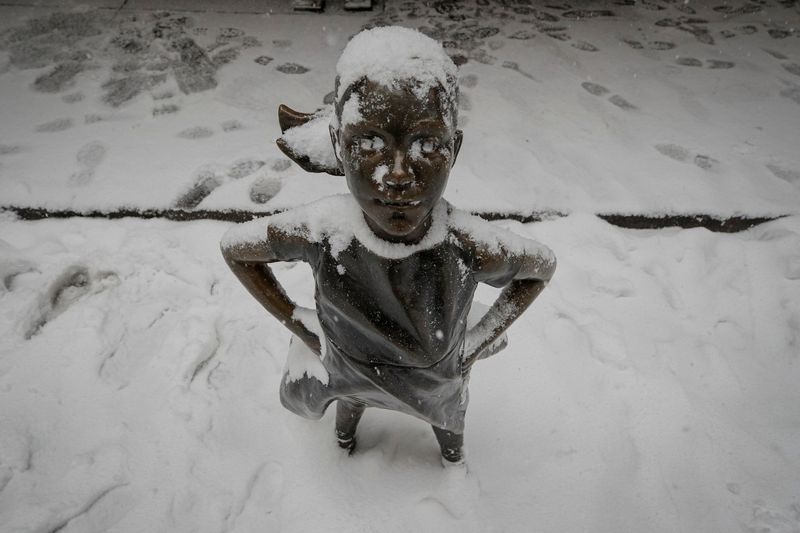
(485, 238)
(471, 232)
(315, 220)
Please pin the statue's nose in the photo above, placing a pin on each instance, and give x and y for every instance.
(400, 176)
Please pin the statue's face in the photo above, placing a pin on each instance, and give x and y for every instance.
(397, 155)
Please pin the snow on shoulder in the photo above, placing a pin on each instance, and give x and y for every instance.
(497, 239)
(338, 220)
(390, 54)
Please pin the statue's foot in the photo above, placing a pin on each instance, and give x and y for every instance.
(452, 457)
(346, 442)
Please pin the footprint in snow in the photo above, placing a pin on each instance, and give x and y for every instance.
(556, 32)
(585, 46)
(778, 33)
(279, 165)
(231, 125)
(82, 495)
(59, 124)
(792, 68)
(454, 497)
(673, 151)
(747, 29)
(580, 14)
(292, 68)
(244, 167)
(163, 95)
(72, 284)
(775, 54)
(522, 35)
(710, 63)
(469, 81)
(684, 155)
(203, 183)
(265, 189)
(786, 174)
(636, 45)
(652, 6)
(226, 34)
(791, 91)
(622, 103)
(660, 45)
(496, 44)
(652, 45)
(10, 269)
(9, 149)
(165, 109)
(197, 132)
(72, 98)
(93, 118)
(88, 158)
(596, 89)
(208, 179)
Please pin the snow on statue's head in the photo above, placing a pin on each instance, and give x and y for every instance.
(392, 129)
(397, 57)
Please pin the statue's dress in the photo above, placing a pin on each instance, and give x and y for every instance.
(393, 328)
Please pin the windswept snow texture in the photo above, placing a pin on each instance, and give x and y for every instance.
(640, 106)
(652, 387)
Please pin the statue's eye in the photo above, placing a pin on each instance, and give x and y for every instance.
(429, 145)
(371, 143)
(424, 147)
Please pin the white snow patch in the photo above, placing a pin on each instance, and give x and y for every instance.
(497, 239)
(339, 219)
(380, 172)
(387, 55)
(351, 111)
(302, 362)
(313, 139)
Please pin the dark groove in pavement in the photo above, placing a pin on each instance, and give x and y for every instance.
(711, 223)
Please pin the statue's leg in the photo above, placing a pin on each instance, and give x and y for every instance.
(348, 414)
(451, 444)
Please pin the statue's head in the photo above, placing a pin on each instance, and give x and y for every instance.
(393, 127)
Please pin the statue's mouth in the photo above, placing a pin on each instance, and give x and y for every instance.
(402, 204)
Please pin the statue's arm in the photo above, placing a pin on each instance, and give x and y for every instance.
(249, 260)
(529, 271)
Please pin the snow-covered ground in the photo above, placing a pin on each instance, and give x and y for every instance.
(688, 108)
(652, 387)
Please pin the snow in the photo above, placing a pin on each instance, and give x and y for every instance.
(651, 387)
(497, 240)
(301, 362)
(313, 139)
(540, 131)
(351, 110)
(387, 55)
(339, 220)
(380, 172)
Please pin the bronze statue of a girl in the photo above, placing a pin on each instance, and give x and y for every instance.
(395, 265)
